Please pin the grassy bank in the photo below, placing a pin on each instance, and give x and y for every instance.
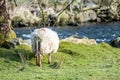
(71, 62)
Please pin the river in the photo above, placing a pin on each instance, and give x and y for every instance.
(101, 32)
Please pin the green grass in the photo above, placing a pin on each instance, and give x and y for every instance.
(71, 62)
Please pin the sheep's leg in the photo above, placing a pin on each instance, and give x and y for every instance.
(49, 58)
(38, 60)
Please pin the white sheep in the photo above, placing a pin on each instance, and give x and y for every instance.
(44, 41)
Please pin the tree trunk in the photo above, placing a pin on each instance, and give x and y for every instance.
(5, 22)
(6, 32)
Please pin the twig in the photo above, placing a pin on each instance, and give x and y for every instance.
(63, 11)
(66, 7)
(15, 3)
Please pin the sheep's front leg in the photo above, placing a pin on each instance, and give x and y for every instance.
(39, 60)
(49, 58)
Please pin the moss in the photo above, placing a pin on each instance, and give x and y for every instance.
(63, 18)
(10, 35)
(1, 18)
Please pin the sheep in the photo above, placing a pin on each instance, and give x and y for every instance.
(44, 41)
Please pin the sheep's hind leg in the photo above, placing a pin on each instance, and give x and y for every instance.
(38, 60)
(49, 58)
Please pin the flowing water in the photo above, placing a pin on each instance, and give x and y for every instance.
(100, 31)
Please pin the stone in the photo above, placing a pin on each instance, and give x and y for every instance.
(17, 41)
(63, 18)
(115, 10)
(80, 41)
(90, 5)
(23, 14)
(115, 42)
(20, 41)
(89, 15)
(11, 35)
(7, 45)
(50, 11)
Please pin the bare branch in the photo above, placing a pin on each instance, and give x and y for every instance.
(15, 3)
(66, 7)
(42, 13)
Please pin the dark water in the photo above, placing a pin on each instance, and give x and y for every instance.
(100, 32)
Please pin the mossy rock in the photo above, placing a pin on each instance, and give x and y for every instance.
(22, 17)
(86, 16)
(10, 35)
(63, 18)
(16, 21)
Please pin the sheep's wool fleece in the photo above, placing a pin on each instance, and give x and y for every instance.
(44, 41)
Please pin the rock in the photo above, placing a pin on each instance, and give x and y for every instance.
(58, 7)
(22, 14)
(104, 14)
(17, 41)
(99, 19)
(18, 22)
(63, 18)
(92, 14)
(52, 19)
(7, 45)
(50, 11)
(71, 20)
(91, 5)
(20, 41)
(102, 2)
(115, 10)
(96, 1)
(89, 15)
(27, 42)
(115, 42)
(14, 42)
(5, 39)
(80, 41)
(11, 35)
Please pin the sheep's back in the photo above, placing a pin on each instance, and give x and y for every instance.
(50, 42)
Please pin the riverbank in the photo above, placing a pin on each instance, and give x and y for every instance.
(55, 13)
(72, 61)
